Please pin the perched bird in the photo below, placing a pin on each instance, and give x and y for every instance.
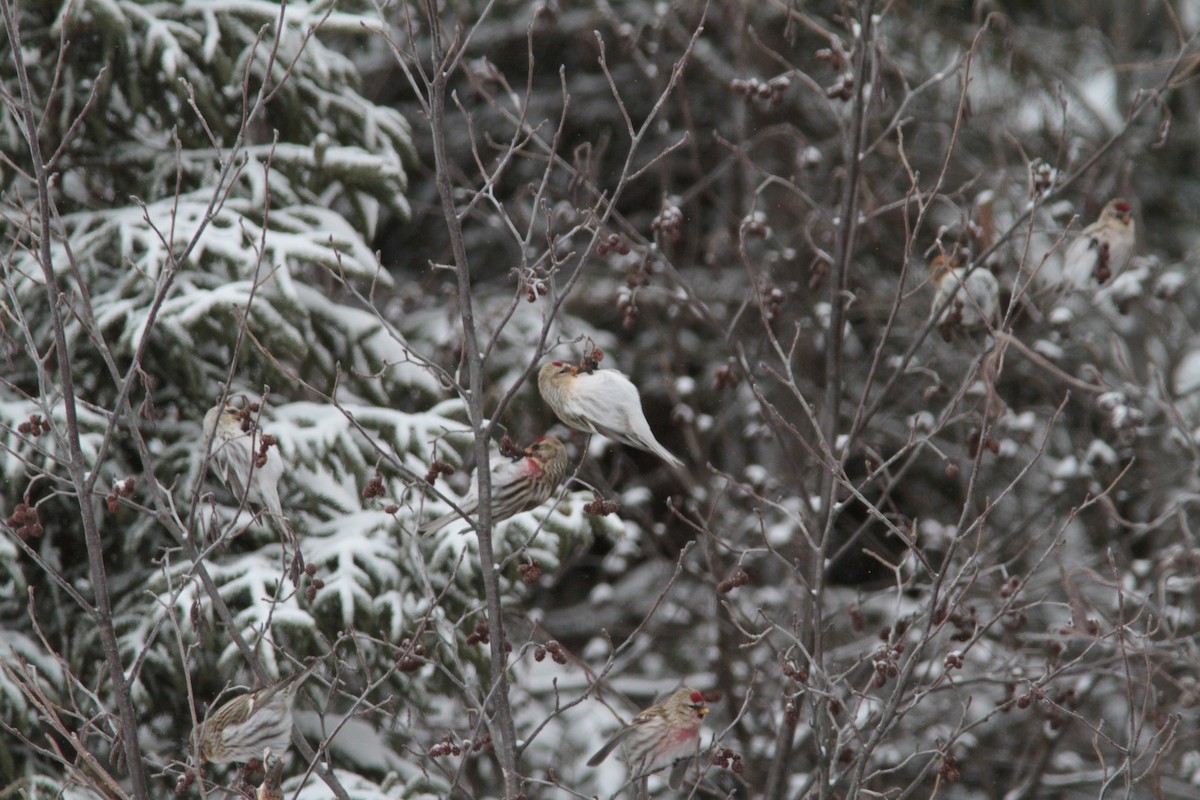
(976, 295)
(601, 401)
(517, 485)
(241, 454)
(1102, 249)
(662, 735)
(250, 724)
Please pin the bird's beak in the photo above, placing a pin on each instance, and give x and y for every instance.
(702, 711)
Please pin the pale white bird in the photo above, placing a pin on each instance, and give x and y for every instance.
(976, 296)
(602, 401)
(517, 486)
(1102, 249)
(241, 455)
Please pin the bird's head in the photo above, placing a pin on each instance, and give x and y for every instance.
(552, 372)
(939, 267)
(544, 448)
(693, 700)
(1120, 210)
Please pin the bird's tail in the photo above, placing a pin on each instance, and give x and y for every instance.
(663, 453)
(437, 523)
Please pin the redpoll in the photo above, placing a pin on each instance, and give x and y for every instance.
(250, 724)
(660, 736)
(241, 455)
(601, 401)
(976, 295)
(516, 485)
(1102, 249)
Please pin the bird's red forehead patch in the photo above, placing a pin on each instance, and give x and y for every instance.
(1123, 207)
(697, 697)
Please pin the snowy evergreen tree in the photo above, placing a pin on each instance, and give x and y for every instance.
(901, 553)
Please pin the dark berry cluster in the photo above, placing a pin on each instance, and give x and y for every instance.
(727, 377)
(612, 243)
(857, 619)
(184, 784)
(1041, 177)
(315, 585)
(769, 92)
(374, 487)
(25, 522)
(887, 663)
(448, 747)
(949, 769)
(738, 578)
(34, 426)
(591, 360)
(436, 469)
(482, 635)
(530, 572)
(412, 656)
(965, 624)
(534, 289)
(557, 654)
(794, 672)
(120, 489)
(727, 759)
(509, 449)
(670, 218)
(791, 712)
(974, 443)
(599, 507)
(627, 305)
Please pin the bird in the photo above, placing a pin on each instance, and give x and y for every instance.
(975, 291)
(664, 734)
(517, 485)
(241, 454)
(601, 401)
(250, 724)
(1101, 250)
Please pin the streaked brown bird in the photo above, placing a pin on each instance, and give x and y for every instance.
(517, 486)
(665, 734)
(250, 724)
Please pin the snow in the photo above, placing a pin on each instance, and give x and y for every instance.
(1048, 349)
(1067, 468)
(1100, 452)
(1061, 317)
(1187, 374)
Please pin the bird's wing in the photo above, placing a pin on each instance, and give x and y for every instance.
(678, 771)
(609, 746)
(610, 402)
(469, 504)
(232, 461)
(1080, 261)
